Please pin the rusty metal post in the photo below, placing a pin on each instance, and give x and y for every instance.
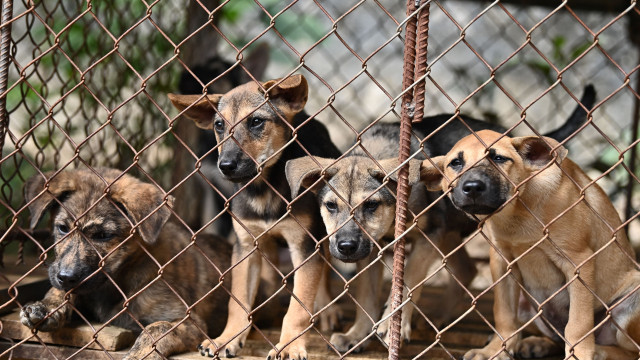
(634, 33)
(408, 111)
(5, 40)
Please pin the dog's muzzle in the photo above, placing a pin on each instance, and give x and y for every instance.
(478, 192)
(349, 244)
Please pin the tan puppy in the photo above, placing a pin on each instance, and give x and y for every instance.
(555, 235)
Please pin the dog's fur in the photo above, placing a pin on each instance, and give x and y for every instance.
(99, 261)
(358, 179)
(255, 142)
(560, 247)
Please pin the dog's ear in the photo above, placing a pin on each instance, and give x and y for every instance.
(140, 199)
(431, 173)
(200, 108)
(256, 62)
(536, 151)
(304, 172)
(290, 95)
(389, 165)
(60, 186)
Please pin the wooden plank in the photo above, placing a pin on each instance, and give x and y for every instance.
(28, 351)
(109, 338)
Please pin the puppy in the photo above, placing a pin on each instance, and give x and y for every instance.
(556, 236)
(367, 220)
(253, 125)
(117, 260)
(358, 179)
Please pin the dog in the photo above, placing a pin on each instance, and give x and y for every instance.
(361, 180)
(100, 259)
(220, 76)
(257, 135)
(556, 235)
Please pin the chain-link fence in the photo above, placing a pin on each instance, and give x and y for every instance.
(145, 215)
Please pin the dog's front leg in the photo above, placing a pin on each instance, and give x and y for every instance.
(157, 340)
(367, 286)
(419, 260)
(245, 278)
(49, 314)
(293, 338)
(581, 308)
(505, 310)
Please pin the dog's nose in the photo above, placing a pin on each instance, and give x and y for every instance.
(347, 247)
(227, 166)
(68, 278)
(473, 188)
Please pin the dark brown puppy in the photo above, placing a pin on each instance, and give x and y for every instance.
(101, 264)
(255, 140)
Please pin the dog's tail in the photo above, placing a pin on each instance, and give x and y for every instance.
(577, 118)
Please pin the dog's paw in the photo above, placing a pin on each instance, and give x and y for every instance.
(385, 334)
(230, 350)
(537, 347)
(297, 350)
(34, 315)
(485, 354)
(345, 342)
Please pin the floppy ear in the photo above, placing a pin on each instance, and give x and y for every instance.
(536, 151)
(431, 175)
(389, 165)
(139, 200)
(290, 95)
(59, 188)
(304, 172)
(200, 108)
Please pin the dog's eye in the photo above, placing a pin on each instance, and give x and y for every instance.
(371, 205)
(62, 229)
(255, 122)
(218, 125)
(103, 236)
(499, 159)
(455, 163)
(332, 206)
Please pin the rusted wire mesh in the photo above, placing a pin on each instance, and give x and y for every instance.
(87, 88)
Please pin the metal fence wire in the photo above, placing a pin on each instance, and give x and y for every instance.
(278, 179)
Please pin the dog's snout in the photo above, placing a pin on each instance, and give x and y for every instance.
(227, 165)
(473, 188)
(347, 247)
(68, 278)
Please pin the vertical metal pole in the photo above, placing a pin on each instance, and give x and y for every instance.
(633, 154)
(634, 35)
(403, 186)
(5, 40)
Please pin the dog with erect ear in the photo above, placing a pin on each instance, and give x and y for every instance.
(356, 198)
(110, 232)
(558, 235)
(258, 128)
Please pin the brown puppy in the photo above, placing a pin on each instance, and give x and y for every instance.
(555, 232)
(104, 266)
(253, 125)
(358, 206)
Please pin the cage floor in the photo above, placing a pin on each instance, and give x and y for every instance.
(470, 332)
